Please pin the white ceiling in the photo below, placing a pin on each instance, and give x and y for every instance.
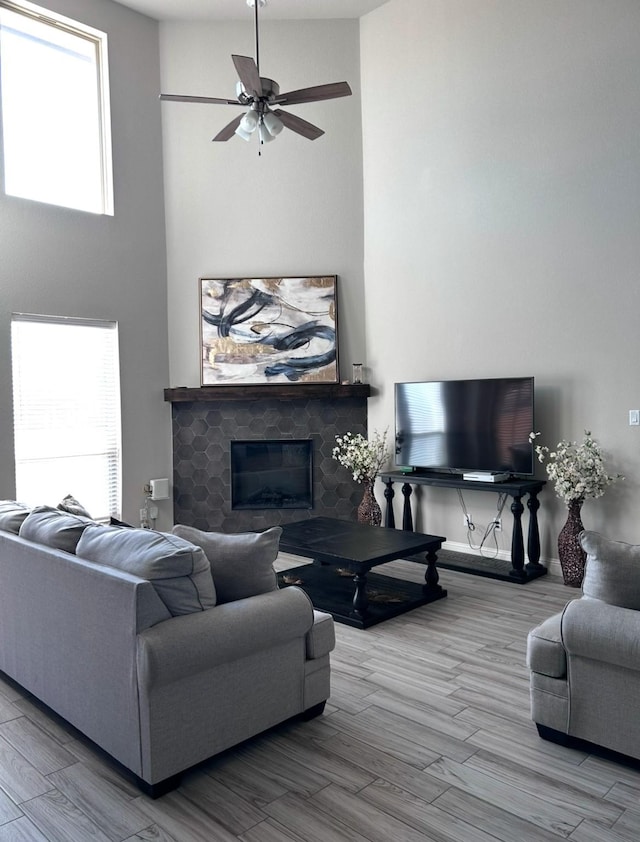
(239, 10)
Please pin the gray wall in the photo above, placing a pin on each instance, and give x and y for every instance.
(502, 210)
(296, 209)
(62, 262)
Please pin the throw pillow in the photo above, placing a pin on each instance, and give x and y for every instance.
(241, 564)
(71, 505)
(612, 571)
(53, 528)
(178, 570)
(12, 516)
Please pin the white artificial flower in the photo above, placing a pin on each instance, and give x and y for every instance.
(576, 469)
(362, 457)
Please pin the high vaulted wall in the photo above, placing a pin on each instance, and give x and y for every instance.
(65, 263)
(294, 210)
(502, 209)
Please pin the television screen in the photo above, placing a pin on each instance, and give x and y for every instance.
(465, 425)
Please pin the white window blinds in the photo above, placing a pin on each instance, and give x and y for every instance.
(66, 399)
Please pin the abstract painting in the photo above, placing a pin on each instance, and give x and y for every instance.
(269, 330)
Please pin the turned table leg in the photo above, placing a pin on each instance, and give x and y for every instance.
(407, 517)
(360, 598)
(517, 542)
(389, 494)
(431, 575)
(533, 538)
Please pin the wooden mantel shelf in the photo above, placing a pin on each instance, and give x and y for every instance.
(277, 391)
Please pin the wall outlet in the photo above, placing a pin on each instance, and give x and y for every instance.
(467, 520)
(634, 417)
(497, 524)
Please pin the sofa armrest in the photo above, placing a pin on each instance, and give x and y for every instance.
(602, 632)
(545, 653)
(191, 643)
(321, 637)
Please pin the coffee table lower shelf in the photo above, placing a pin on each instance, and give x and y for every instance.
(331, 589)
(490, 568)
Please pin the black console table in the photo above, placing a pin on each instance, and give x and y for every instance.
(516, 488)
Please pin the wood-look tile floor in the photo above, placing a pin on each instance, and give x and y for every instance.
(426, 736)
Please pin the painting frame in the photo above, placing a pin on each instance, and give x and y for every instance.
(269, 330)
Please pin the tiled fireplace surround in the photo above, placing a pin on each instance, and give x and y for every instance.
(204, 426)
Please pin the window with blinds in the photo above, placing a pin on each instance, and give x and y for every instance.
(54, 95)
(66, 404)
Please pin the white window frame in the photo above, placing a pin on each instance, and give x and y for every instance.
(98, 39)
(67, 414)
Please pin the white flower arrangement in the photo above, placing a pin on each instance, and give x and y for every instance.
(576, 469)
(362, 457)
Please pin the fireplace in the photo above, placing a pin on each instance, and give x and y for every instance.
(272, 474)
(206, 420)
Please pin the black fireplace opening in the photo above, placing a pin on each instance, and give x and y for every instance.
(272, 474)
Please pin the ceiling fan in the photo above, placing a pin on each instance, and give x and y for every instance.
(262, 97)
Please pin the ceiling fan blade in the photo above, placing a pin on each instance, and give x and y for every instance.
(247, 70)
(331, 91)
(208, 99)
(297, 124)
(229, 129)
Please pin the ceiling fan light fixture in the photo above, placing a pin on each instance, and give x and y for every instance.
(249, 122)
(259, 94)
(274, 125)
(243, 134)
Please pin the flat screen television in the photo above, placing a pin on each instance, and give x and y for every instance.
(464, 426)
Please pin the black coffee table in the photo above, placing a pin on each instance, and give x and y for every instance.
(343, 553)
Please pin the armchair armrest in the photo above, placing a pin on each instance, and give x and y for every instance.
(602, 632)
(192, 643)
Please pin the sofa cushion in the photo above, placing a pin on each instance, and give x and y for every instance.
(241, 564)
(12, 515)
(73, 506)
(53, 528)
(612, 571)
(178, 570)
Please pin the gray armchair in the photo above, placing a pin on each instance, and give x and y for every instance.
(585, 661)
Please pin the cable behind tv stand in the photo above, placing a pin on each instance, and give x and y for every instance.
(466, 562)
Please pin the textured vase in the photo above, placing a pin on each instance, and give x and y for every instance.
(572, 556)
(369, 511)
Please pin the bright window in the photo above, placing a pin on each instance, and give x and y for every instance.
(66, 404)
(54, 94)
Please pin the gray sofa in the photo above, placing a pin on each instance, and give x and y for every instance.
(585, 662)
(126, 634)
